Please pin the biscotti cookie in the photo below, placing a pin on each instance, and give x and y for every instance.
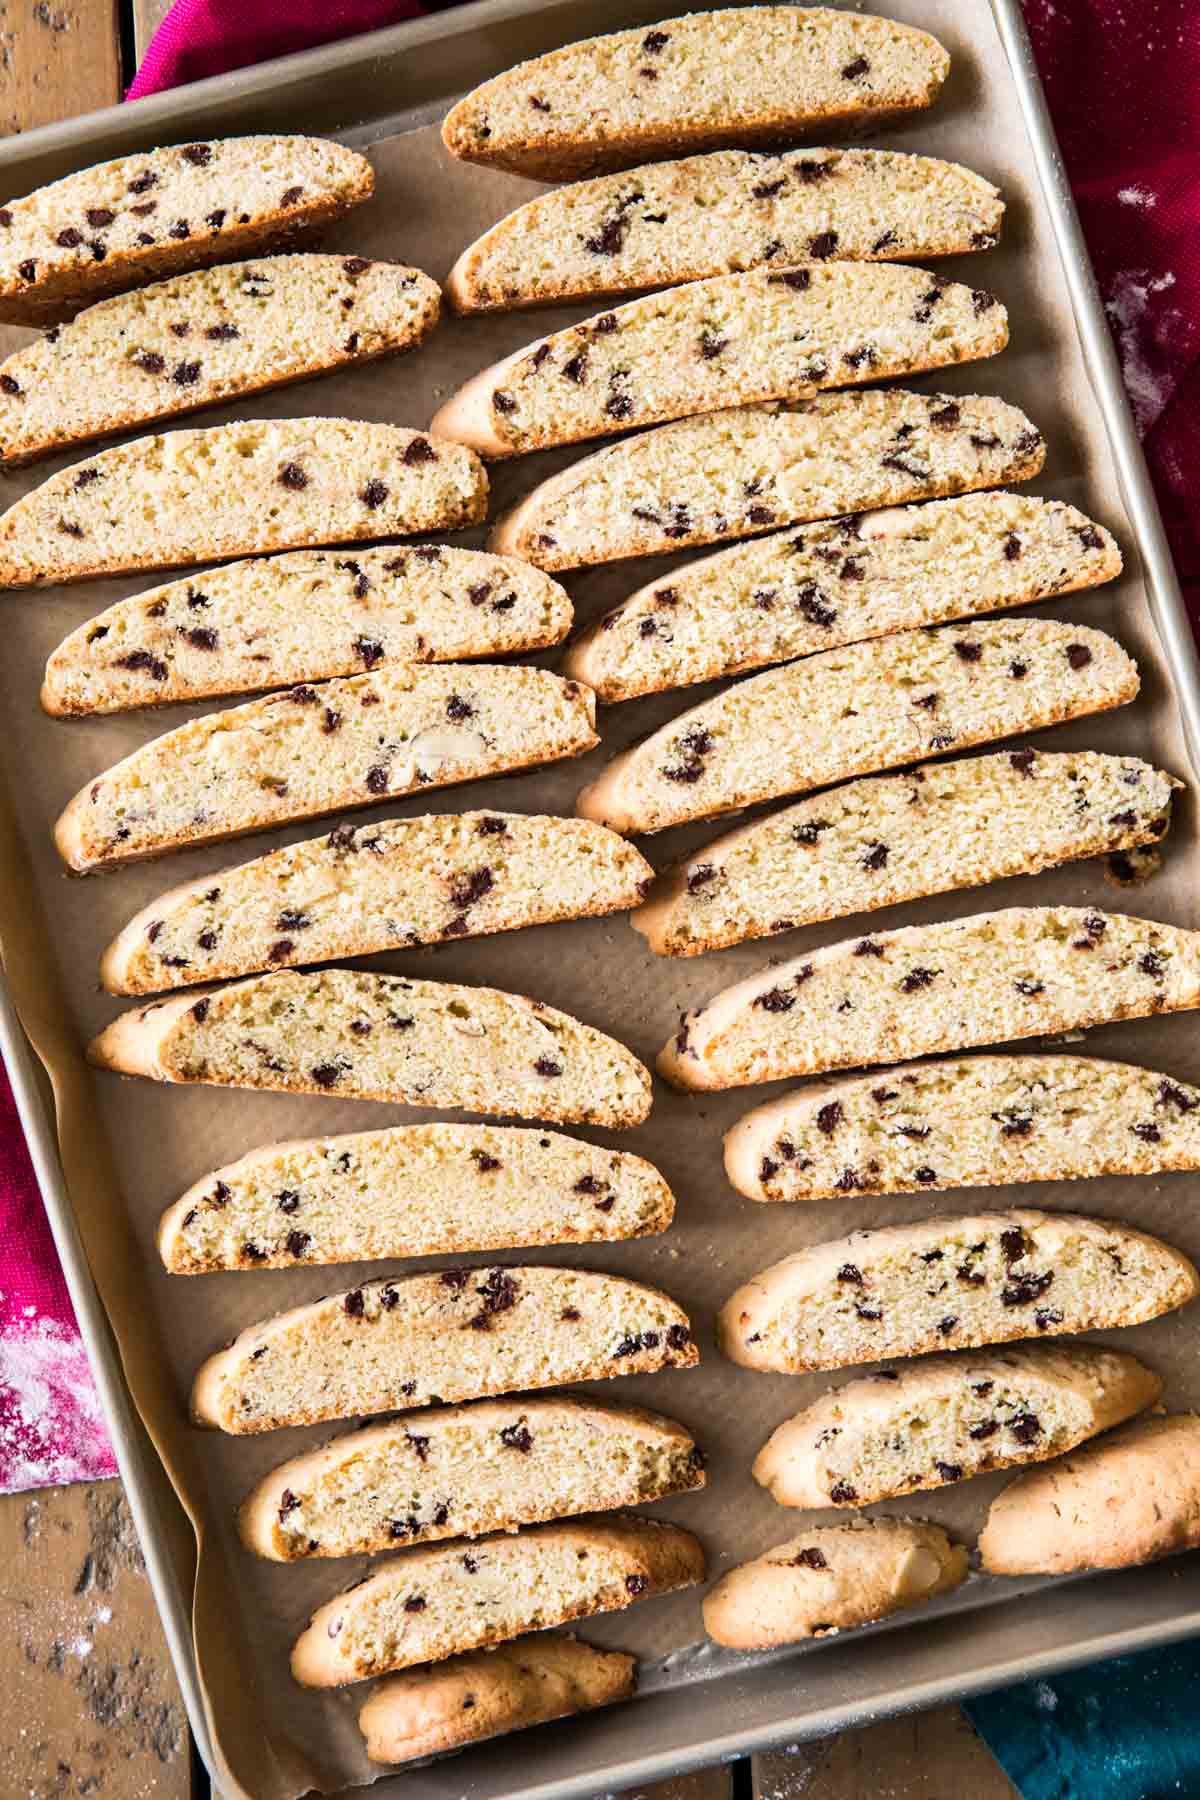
(749, 75)
(310, 751)
(831, 1579)
(950, 1283)
(866, 706)
(384, 1037)
(123, 223)
(889, 838)
(974, 1121)
(460, 1471)
(302, 616)
(467, 1699)
(418, 1340)
(215, 334)
(230, 490)
(398, 883)
(755, 468)
(1132, 1498)
(930, 988)
(731, 341)
(437, 1602)
(410, 1190)
(795, 593)
(717, 214)
(947, 1418)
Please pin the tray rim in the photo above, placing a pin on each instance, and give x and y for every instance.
(181, 113)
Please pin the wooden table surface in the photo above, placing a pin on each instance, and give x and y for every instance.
(88, 1701)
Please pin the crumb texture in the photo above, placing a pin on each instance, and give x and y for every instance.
(753, 469)
(831, 1579)
(315, 750)
(227, 490)
(942, 1284)
(384, 1037)
(927, 988)
(410, 1190)
(889, 838)
(717, 214)
(871, 705)
(697, 82)
(302, 616)
(462, 1471)
(977, 1121)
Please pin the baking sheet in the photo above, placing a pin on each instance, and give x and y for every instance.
(276, 1738)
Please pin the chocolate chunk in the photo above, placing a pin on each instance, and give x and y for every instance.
(948, 1471)
(809, 1558)
(517, 1437)
(678, 1337)
(968, 651)
(829, 1117)
(575, 369)
(854, 71)
(1026, 1289)
(874, 857)
(918, 978)
(377, 779)
(149, 360)
(420, 450)
(775, 1000)
(1030, 989)
(986, 1428)
(290, 196)
(291, 475)
(1078, 655)
(1026, 1427)
(545, 1065)
(415, 1603)
(947, 1325)
(946, 416)
(841, 1494)
(297, 1242)
(199, 154)
(327, 1075)
(354, 1304)
(374, 494)
(851, 1274)
(823, 245)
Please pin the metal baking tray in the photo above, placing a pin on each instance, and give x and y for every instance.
(699, 1710)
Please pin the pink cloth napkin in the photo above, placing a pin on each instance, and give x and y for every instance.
(1124, 87)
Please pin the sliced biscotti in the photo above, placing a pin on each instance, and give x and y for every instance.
(799, 592)
(302, 616)
(410, 1190)
(400, 882)
(314, 750)
(888, 838)
(716, 214)
(947, 1418)
(732, 341)
(866, 706)
(460, 1471)
(749, 75)
(485, 1693)
(950, 1283)
(121, 224)
(1131, 1498)
(930, 988)
(752, 469)
(440, 1601)
(205, 337)
(384, 1037)
(418, 1340)
(973, 1121)
(230, 490)
(831, 1579)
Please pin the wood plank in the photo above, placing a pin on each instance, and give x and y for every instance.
(90, 1700)
(934, 1755)
(705, 1784)
(57, 58)
(148, 15)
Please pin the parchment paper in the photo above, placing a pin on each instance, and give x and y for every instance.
(130, 1147)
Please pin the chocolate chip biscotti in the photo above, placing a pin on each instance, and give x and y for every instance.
(867, 706)
(460, 1471)
(946, 1418)
(749, 75)
(752, 469)
(831, 1579)
(156, 213)
(717, 214)
(215, 334)
(419, 1340)
(930, 988)
(398, 883)
(945, 1284)
(834, 583)
(384, 1037)
(889, 838)
(973, 1121)
(1132, 1498)
(230, 490)
(302, 616)
(467, 1699)
(315, 750)
(437, 1602)
(410, 1190)
(733, 341)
